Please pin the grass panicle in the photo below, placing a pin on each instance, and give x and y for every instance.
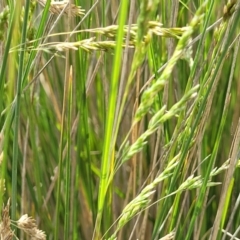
(25, 223)
(68, 8)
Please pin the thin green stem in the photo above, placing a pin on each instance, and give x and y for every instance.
(15, 160)
(108, 150)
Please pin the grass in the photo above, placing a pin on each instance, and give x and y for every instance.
(119, 120)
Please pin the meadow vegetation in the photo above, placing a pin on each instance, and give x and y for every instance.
(119, 119)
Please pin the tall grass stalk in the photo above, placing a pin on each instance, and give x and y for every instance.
(108, 151)
(20, 70)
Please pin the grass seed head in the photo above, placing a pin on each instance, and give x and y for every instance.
(29, 226)
(57, 7)
(5, 231)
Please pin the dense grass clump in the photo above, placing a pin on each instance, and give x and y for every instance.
(119, 119)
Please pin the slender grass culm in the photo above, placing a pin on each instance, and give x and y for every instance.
(119, 119)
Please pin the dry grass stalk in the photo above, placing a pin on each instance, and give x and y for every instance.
(57, 7)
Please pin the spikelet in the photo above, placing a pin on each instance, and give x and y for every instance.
(25, 223)
(57, 7)
(5, 230)
(29, 226)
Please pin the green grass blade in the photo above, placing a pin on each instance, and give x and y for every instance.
(108, 147)
(15, 160)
